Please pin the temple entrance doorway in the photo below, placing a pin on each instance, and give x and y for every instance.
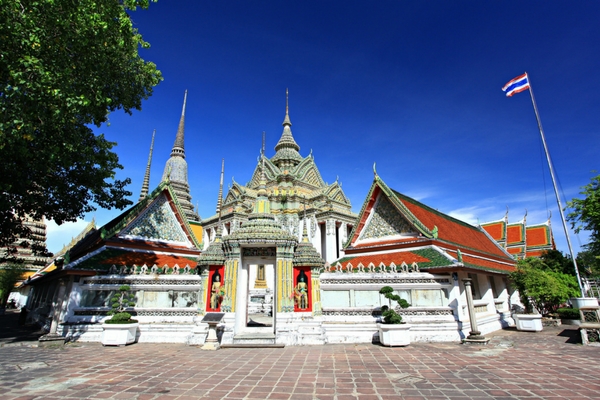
(256, 302)
(261, 285)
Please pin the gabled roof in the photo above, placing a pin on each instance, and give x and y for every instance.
(156, 224)
(390, 221)
(496, 229)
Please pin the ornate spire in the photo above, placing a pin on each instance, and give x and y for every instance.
(286, 120)
(214, 254)
(262, 204)
(306, 255)
(178, 148)
(176, 170)
(287, 155)
(220, 199)
(146, 183)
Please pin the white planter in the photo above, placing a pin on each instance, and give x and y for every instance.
(584, 302)
(529, 322)
(119, 334)
(394, 334)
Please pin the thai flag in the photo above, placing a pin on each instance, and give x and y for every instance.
(517, 85)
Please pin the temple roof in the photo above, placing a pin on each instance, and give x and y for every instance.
(153, 231)
(393, 227)
(520, 239)
(260, 228)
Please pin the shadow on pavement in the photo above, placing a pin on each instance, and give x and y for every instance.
(12, 331)
(573, 336)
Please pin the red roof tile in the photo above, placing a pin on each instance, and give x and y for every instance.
(515, 234)
(495, 230)
(451, 229)
(487, 264)
(538, 236)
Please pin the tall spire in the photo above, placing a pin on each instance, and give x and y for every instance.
(178, 147)
(146, 183)
(220, 199)
(214, 254)
(287, 155)
(176, 170)
(286, 120)
(262, 204)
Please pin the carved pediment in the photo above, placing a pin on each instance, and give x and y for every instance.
(157, 222)
(385, 220)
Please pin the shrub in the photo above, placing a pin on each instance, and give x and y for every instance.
(119, 302)
(541, 289)
(568, 313)
(390, 316)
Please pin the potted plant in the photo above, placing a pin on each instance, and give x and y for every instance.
(392, 330)
(569, 316)
(120, 329)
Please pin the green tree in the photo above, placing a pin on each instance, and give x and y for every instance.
(9, 275)
(540, 287)
(585, 214)
(555, 260)
(64, 65)
(589, 263)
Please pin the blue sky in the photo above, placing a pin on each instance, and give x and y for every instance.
(414, 87)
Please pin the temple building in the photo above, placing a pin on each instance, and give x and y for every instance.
(284, 261)
(294, 187)
(520, 239)
(26, 256)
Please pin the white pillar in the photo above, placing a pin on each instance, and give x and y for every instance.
(241, 298)
(330, 242)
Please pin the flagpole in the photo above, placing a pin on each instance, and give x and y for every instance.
(560, 207)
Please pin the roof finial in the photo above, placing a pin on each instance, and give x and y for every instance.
(262, 189)
(286, 120)
(220, 199)
(220, 202)
(146, 183)
(375, 169)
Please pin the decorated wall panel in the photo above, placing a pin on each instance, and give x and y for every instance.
(385, 221)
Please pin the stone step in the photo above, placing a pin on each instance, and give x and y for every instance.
(253, 339)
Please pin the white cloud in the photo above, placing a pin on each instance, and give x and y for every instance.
(58, 236)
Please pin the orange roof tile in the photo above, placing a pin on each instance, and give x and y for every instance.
(495, 230)
(515, 234)
(538, 236)
(487, 264)
(451, 229)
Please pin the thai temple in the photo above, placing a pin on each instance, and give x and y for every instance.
(284, 260)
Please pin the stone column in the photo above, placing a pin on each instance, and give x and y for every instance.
(474, 336)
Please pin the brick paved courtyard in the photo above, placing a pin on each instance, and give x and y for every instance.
(515, 365)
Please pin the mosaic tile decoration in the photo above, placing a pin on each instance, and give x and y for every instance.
(157, 222)
(385, 221)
